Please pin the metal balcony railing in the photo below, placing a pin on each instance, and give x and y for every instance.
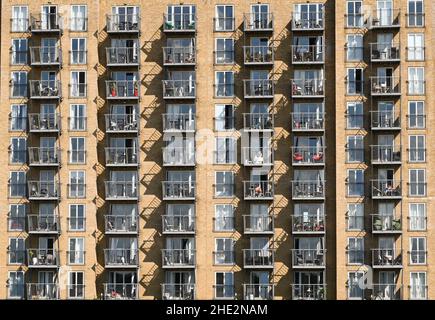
(119, 23)
(257, 156)
(178, 223)
(179, 56)
(178, 156)
(121, 223)
(262, 291)
(385, 18)
(121, 190)
(119, 156)
(122, 123)
(122, 89)
(120, 291)
(43, 291)
(385, 120)
(121, 258)
(308, 121)
(258, 190)
(41, 156)
(46, 22)
(308, 224)
(178, 258)
(386, 154)
(258, 121)
(122, 56)
(179, 89)
(306, 155)
(386, 291)
(308, 258)
(44, 258)
(386, 189)
(308, 54)
(45, 89)
(258, 224)
(179, 22)
(302, 291)
(308, 20)
(43, 190)
(183, 122)
(386, 223)
(380, 52)
(308, 88)
(179, 190)
(261, 88)
(43, 223)
(44, 122)
(178, 291)
(386, 258)
(258, 21)
(258, 55)
(258, 258)
(385, 86)
(45, 56)
(308, 189)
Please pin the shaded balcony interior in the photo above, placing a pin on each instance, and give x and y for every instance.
(179, 285)
(121, 253)
(179, 52)
(179, 252)
(122, 119)
(309, 285)
(308, 17)
(308, 150)
(122, 218)
(179, 185)
(308, 218)
(179, 219)
(308, 50)
(308, 117)
(179, 85)
(309, 252)
(308, 184)
(308, 83)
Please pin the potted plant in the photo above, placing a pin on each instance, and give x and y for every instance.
(33, 257)
(136, 89)
(113, 89)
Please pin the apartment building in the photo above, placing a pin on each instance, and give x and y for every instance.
(216, 150)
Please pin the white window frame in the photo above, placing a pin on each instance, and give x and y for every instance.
(230, 217)
(357, 51)
(231, 185)
(417, 182)
(415, 151)
(75, 284)
(224, 285)
(349, 286)
(349, 216)
(78, 54)
(419, 275)
(357, 139)
(417, 105)
(224, 29)
(70, 217)
(424, 249)
(355, 182)
(355, 240)
(70, 158)
(418, 206)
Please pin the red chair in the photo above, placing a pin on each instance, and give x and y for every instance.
(318, 156)
(298, 157)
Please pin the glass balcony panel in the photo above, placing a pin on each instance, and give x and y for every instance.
(120, 291)
(121, 257)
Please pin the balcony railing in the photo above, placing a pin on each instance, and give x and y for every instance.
(386, 223)
(308, 54)
(259, 21)
(178, 190)
(45, 89)
(121, 190)
(302, 291)
(308, 88)
(307, 21)
(385, 18)
(121, 258)
(179, 22)
(258, 121)
(174, 224)
(258, 224)
(43, 291)
(43, 223)
(46, 22)
(308, 121)
(119, 156)
(179, 122)
(258, 190)
(257, 156)
(121, 123)
(178, 156)
(258, 55)
(43, 258)
(262, 88)
(179, 56)
(258, 291)
(119, 23)
(179, 89)
(308, 224)
(258, 258)
(121, 224)
(178, 291)
(178, 258)
(386, 154)
(44, 156)
(380, 52)
(386, 258)
(385, 86)
(122, 56)
(305, 155)
(308, 258)
(386, 189)
(122, 89)
(44, 190)
(44, 122)
(45, 56)
(308, 189)
(120, 291)
(385, 120)
(386, 291)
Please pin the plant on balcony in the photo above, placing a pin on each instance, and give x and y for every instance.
(113, 89)
(136, 89)
(377, 224)
(397, 225)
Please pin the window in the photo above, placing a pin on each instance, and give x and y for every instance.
(355, 217)
(224, 51)
(17, 250)
(77, 117)
(355, 115)
(355, 183)
(76, 219)
(224, 217)
(180, 17)
(415, 13)
(224, 285)
(19, 51)
(416, 116)
(355, 47)
(417, 148)
(416, 46)
(353, 283)
(224, 117)
(18, 150)
(354, 81)
(78, 51)
(417, 250)
(19, 84)
(15, 285)
(76, 285)
(77, 184)
(417, 287)
(79, 18)
(77, 150)
(20, 19)
(224, 186)
(76, 251)
(355, 148)
(224, 20)
(417, 182)
(224, 84)
(354, 14)
(17, 217)
(224, 251)
(17, 184)
(417, 216)
(416, 83)
(225, 150)
(18, 117)
(78, 84)
(355, 250)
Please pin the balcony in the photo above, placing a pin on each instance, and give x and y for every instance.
(121, 190)
(258, 55)
(386, 189)
(178, 258)
(45, 89)
(385, 18)
(384, 120)
(308, 156)
(308, 121)
(386, 291)
(43, 224)
(258, 258)
(121, 258)
(123, 23)
(308, 190)
(120, 291)
(258, 122)
(122, 56)
(46, 22)
(45, 56)
(178, 156)
(257, 156)
(122, 89)
(259, 21)
(258, 190)
(44, 122)
(179, 122)
(385, 52)
(311, 88)
(43, 291)
(301, 291)
(308, 54)
(179, 56)
(385, 86)
(386, 154)
(386, 224)
(178, 291)
(258, 224)
(178, 190)
(179, 89)
(44, 156)
(179, 22)
(44, 190)
(308, 258)
(386, 258)
(308, 224)
(121, 224)
(258, 89)
(258, 291)
(122, 123)
(42, 258)
(178, 224)
(121, 157)
(304, 21)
